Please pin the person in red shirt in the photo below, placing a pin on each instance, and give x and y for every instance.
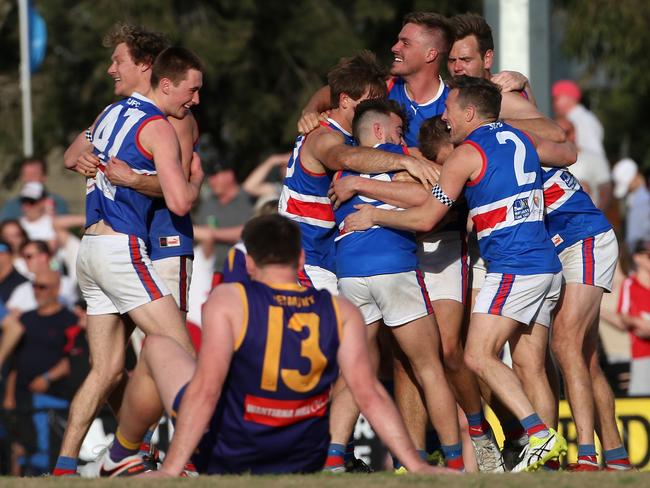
(634, 316)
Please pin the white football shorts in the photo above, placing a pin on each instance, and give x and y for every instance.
(591, 261)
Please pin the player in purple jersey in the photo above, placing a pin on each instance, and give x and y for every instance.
(256, 399)
(587, 247)
(522, 266)
(116, 275)
(378, 272)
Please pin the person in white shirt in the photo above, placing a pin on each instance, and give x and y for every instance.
(631, 185)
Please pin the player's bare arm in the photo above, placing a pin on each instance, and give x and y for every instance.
(463, 164)
(558, 154)
(513, 81)
(370, 395)
(158, 137)
(522, 114)
(316, 148)
(397, 193)
(187, 132)
(222, 324)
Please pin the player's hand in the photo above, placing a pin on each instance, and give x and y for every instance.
(510, 81)
(342, 189)
(39, 385)
(359, 220)
(311, 120)
(422, 170)
(119, 173)
(196, 169)
(87, 164)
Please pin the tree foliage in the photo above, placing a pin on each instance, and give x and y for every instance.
(263, 60)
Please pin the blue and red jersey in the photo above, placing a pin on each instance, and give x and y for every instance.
(506, 203)
(272, 416)
(378, 250)
(571, 215)
(416, 113)
(116, 134)
(304, 200)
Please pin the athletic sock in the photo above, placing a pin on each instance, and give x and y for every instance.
(513, 431)
(335, 457)
(122, 448)
(617, 459)
(534, 426)
(348, 456)
(145, 445)
(587, 454)
(479, 427)
(64, 466)
(454, 456)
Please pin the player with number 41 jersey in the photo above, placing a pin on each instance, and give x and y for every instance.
(116, 135)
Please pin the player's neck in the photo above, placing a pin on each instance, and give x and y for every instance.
(423, 85)
(339, 116)
(276, 275)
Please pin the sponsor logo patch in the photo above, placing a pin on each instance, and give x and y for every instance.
(170, 241)
(521, 208)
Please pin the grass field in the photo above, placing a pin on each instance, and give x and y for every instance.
(535, 480)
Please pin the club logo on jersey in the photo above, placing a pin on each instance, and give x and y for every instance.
(132, 102)
(521, 208)
(569, 179)
(170, 241)
(557, 240)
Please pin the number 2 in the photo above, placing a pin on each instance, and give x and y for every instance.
(309, 348)
(523, 177)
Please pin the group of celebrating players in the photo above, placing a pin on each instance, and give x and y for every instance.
(369, 271)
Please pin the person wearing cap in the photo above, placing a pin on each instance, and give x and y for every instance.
(631, 185)
(633, 315)
(33, 170)
(35, 219)
(592, 166)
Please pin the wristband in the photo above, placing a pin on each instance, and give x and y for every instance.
(89, 135)
(441, 196)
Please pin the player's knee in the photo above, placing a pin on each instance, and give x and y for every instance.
(452, 358)
(475, 361)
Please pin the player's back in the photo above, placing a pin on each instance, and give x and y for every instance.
(506, 203)
(378, 250)
(117, 134)
(272, 416)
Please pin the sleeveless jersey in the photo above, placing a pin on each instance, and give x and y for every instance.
(116, 134)
(570, 213)
(506, 203)
(378, 250)
(272, 416)
(234, 268)
(304, 200)
(416, 113)
(169, 234)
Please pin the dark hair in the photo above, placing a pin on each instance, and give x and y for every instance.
(377, 105)
(437, 25)
(471, 24)
(482, 93)
(174, 63)
(356, 75)
(272, 239)
(433, 135)
(144, 45)
(7, 222)
(42, 247)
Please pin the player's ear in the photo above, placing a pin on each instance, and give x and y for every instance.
(164, 85)
(488, 59)
(251, 268)
(432, 55)
(470, 112)
(378, 131)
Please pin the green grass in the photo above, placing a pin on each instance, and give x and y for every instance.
(534, 480)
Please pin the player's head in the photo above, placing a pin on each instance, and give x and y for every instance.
(272, 240)
(566, 95)
(134, 51)
(423, 41)
(435, 139)
(378, 121)
(177, 76)
(472, 51)
(356, 79)
(471, 102)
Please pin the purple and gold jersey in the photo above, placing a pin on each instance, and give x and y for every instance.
(272, 416)
(234, 269)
